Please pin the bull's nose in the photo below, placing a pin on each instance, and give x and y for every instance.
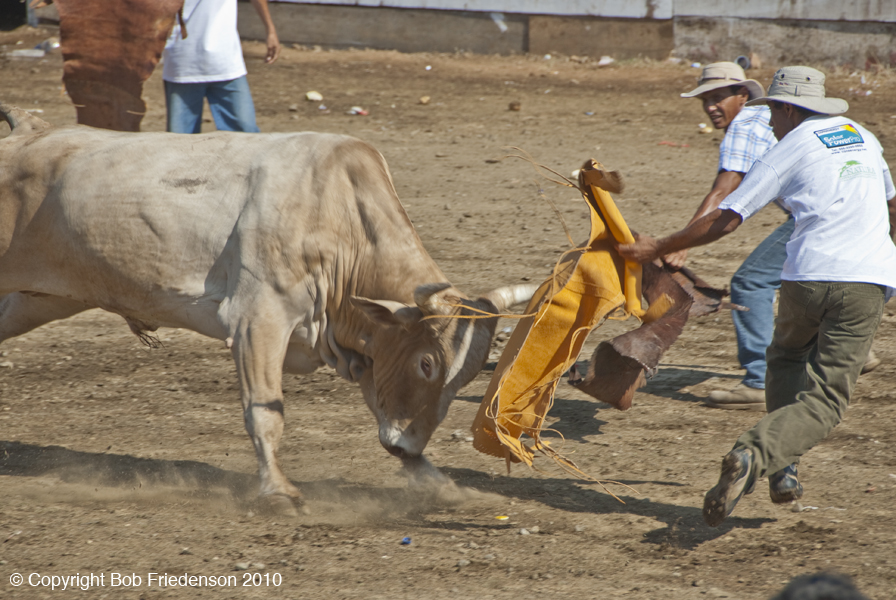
(397, 451)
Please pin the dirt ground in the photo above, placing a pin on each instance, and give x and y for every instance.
(119, 459)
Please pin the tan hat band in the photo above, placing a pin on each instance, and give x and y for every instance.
(789, 89)
(808, 90)
(729, 81)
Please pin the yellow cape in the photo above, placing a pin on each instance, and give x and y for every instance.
(587, 286)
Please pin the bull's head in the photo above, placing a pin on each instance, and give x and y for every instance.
(423, 354)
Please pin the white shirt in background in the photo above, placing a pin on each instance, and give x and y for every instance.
(211, 51)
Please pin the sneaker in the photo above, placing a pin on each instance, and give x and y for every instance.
(784, 486)
(871, 362)
(740, 397)
(721, 500)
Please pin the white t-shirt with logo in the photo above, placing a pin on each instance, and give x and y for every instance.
(211, 50)
(829, 172)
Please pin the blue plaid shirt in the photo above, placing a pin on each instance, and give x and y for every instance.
(749, 136)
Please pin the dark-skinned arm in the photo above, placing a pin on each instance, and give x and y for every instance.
(891, 207)
(725, 183)
(272, 41)
(704, 230)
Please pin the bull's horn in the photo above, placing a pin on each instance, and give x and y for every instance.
(509, 295)
(21, 121)
(424, 297)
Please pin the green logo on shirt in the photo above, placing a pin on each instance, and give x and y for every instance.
(852, 169)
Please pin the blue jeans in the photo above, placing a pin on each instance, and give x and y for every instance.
(754, 285)
(230, 103)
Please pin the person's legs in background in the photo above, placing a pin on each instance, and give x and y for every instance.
(183, 102)
(231, 105)
(754, 286)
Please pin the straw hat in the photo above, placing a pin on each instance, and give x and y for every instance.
(804, 87)
(724, 74)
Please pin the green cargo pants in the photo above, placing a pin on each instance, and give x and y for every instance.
(823, 333)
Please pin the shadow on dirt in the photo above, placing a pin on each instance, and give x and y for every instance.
(119, 470)
(670, 380)
(684, 529)
(79, 476)
(667, 383)
(684, 524)
(577, 418)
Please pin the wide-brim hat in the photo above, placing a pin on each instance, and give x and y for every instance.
(724, 74)
(803, 87)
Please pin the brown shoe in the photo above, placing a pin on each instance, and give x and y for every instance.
(733, 483)
(871, 362)
(740, 397)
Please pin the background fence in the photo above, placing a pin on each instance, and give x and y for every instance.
(856, 32)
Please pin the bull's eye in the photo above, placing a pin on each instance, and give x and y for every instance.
(426, 366)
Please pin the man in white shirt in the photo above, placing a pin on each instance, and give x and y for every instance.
(840, 269)
(206, 61)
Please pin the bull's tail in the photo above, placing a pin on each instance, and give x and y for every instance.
(21, 121)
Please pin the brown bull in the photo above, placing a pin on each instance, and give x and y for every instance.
(293, 248)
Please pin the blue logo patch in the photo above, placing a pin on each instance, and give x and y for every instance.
(840, 136)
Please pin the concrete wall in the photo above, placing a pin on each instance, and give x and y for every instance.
(596, 37)
(416, 30)
(813, 10)
(786, 41)
(630, 9)
(827, 32)
(407, 30)
(808, 10)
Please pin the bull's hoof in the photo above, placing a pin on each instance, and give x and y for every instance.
(433, 486)
(281, 505)
(447, 493)
(422, 473)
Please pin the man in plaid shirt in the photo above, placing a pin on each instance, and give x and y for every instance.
(724, 90)
(747, 138)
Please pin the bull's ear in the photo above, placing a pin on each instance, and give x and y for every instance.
(388, 312)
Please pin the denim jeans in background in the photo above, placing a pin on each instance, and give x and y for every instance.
(754, 286)
(230, 103)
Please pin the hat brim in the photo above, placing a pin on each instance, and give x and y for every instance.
(754, 88)
(823, 106)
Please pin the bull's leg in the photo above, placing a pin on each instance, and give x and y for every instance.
(22, 312)
(259, 346)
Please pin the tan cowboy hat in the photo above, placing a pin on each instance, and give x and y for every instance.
(804, 87)
(724, 74)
